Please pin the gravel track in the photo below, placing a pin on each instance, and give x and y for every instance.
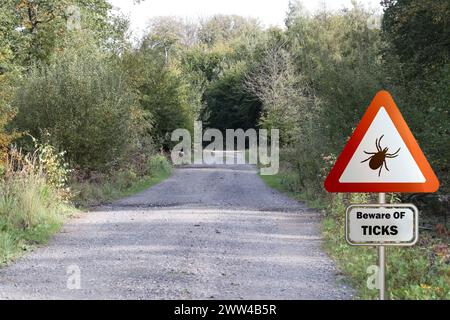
(207, 232)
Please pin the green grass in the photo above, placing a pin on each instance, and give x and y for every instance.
(277, 182)
(419, 272)
(30, 213)
(144, 183)
(15, 241)
(274, 182)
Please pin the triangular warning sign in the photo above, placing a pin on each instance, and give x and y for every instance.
(382, 155)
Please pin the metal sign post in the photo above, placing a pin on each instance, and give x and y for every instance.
(381, 257)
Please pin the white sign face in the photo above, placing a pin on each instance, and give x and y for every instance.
(382, 224)
(399, 165)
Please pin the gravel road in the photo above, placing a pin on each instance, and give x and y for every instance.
(207, 232)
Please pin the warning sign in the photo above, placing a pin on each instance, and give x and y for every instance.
(382, 155)
(382, 224)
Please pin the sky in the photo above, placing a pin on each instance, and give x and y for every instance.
(269, 12)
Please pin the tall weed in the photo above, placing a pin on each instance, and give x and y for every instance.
(33, 199)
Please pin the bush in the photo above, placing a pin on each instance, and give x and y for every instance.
(158, 164)
(83, 102)
(100, 188)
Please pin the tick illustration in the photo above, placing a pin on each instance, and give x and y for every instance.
(377, 159)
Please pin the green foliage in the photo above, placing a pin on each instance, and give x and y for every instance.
(418, 31)
(8, 38)
(282, 91)
(424, 102)
(168, 100)
(229, 105)
(166, 36)
(417, 67)
(162, 91)
(189, 62)
(31, 31)
(340, 63)
(206, 63)
(339, 57)
(83, 102)
(75, 90)
(6, 137)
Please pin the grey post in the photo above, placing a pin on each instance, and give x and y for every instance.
(381, 257)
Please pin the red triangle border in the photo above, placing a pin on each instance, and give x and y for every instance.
(381, 99)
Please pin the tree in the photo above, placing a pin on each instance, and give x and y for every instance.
(418, 30)
(34, 29)
(283, 94)
(225, 28)
(417, 64)
(165, 34)
(228, 104)
(337, 54)
(295, 10)
(162, 91)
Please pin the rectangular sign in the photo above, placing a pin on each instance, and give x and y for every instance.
(382, 224)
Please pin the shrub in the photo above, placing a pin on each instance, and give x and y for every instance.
(52, 164)
(83, 102)
(158, 164)
(125, 178)
(95, 188)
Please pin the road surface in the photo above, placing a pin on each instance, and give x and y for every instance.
(207, 232)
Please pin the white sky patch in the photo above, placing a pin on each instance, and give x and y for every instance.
(269, 12)
(403, 168)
